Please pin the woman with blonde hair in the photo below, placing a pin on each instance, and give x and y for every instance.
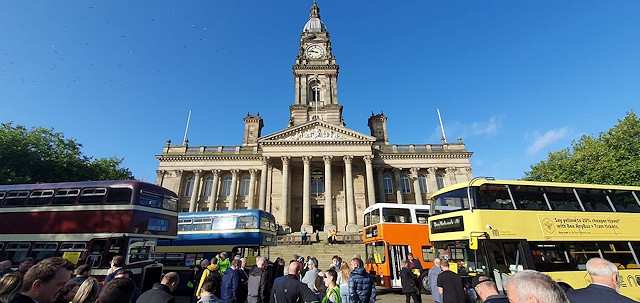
(343, 281)
(10, 284)
(88, 291)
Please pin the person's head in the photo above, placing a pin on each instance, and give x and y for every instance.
(603, 272)
(116, 291)
(214, 261)
(404, 264)
(235, 264)
(223, 256)
(330, 278)
(335, 260)
(5, 264)
(444, 264)
(208, 287)
(87, 292)
(261, 262)
(294, 268)
(117, 261)
(44, 280)
(484, 287)
(204, 263)
(355, 263)
(25, 265)
(436, 262)
(311, 264)
(10, 284)
(123, 273)
(83, 270)
(171, 280)
(345, 270)
(410, 256)
(243, 262)
(530, 286)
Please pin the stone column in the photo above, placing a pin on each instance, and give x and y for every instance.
(160, 177)
(431, 179)
(234, 189)
(214, 189)
(396, 176)
(329, 208)
(451, 173)
(351, 205)
(262, 204)
(285, 193)
(416, 185)
(371, 194)
(177, 188)
(195, 194)
(252, 188)
(306, 195)
(381, 194)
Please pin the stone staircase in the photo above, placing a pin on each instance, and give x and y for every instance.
(321, 250)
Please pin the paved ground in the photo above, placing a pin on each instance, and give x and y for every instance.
(384, 296)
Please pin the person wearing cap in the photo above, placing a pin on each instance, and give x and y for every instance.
(487, 290)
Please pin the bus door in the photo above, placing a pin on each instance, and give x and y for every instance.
(396, 254)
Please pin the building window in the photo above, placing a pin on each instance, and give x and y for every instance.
(387, 183)
(188, 187)
(422, 181)
(405, 185)
(317, 182)
(244, 185)
(208, 186)
(439, 181)
(226, 185)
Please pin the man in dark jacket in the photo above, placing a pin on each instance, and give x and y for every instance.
(362, 289)
(258, 284)
(291, 290)
(231, 283)
(408, 281)
(605, 285)
(161, 292)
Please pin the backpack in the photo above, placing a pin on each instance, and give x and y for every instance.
(253, 285)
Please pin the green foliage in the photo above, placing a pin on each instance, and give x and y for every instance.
(611, 158)
(43, 155)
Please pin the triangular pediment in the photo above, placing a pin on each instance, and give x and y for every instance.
(316, 131)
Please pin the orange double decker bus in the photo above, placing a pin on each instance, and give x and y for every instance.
(392, 231)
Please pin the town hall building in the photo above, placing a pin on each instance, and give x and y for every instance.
(316, 174)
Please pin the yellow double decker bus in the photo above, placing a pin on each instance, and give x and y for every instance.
(498, 227)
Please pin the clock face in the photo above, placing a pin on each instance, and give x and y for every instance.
(315, 52)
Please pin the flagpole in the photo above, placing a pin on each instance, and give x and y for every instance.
(444, 137)
(184, 142)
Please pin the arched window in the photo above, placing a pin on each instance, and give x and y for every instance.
(405, 185)
(317, 182)
(208, 186)
(244, 185)
(188, 187)
(226, 185)
(387, 183)
(439, 181)
(422, 181)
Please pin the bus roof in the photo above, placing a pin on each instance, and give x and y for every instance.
(396, 205)
(482, 181)
(80, 184)
(239, 212)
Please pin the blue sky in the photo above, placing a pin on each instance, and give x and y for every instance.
(514, 79)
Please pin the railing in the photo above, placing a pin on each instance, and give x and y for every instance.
(181, 149)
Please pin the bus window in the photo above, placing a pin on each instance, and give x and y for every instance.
(73, 246)
(92, 196)
(552, 257)
(224, 223)
(65, 196)
(119, 196)
(16, 251)
(492, 196)
(170, 203)
(529, 197)
(623, 200)
(397, 215)
(150, 199)
(16, 198)
(427, 254)
(593, 199)
(184, 225)
(562, 199)
(172, 259)
(44, 250)
(141, 250)
(40, 197)
(201, 224)
(422, 216)
(375, 216)
(247, 222)
(618, 253)
(375, 253)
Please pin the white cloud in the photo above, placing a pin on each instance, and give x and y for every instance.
(547, 139)
(474, 129)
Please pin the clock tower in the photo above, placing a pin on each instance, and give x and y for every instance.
(315, 76)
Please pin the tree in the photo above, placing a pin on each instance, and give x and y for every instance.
(43, 155)
(611, 158)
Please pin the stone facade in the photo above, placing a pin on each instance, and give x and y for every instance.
(316, 174)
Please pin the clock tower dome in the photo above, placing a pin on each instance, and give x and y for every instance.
(315, 76)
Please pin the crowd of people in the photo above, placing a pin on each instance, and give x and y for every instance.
(298, 280)
(226, 280)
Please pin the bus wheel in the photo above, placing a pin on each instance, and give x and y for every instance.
(424, 283)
